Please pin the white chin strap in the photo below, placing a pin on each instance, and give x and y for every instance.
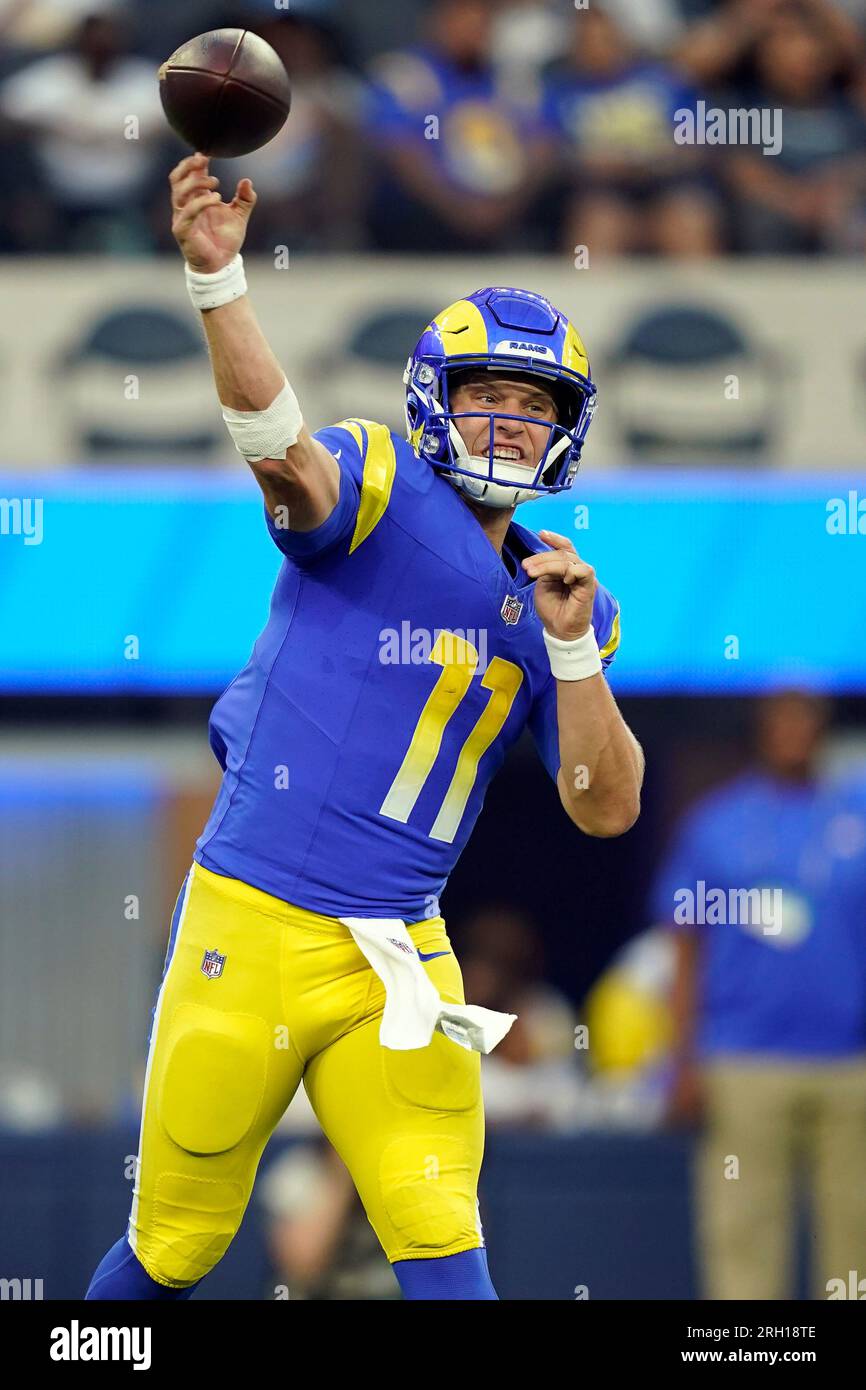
(488, 493)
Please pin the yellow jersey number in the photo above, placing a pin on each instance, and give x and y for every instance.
(459, 661)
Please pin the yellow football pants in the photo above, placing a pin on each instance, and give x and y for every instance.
(296, 999)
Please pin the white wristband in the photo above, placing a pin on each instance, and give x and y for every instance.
(220, 287)
(573, 661)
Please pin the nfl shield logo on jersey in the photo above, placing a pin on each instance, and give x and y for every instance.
(511, 609)
(212, 964)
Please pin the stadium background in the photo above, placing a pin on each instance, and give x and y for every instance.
(729, 341)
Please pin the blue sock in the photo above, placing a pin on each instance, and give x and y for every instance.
(119, 1275)
(463, 1276)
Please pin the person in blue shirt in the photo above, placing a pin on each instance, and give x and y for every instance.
(461, 155)
(629, 186)
(765, 887)
(415, 631)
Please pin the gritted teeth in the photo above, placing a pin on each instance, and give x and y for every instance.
(505, 453)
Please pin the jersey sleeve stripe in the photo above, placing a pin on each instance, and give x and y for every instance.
(380, 467)
(613, 642)
(353, 428)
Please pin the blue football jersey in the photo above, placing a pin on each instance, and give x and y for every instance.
(401, 660)
(485, 133)
(800, 988)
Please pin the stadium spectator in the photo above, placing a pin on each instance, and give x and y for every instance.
(459, 156)
(532, 1080)
(322, 1245)
(29, 28)
(654, 25)
(716, 47)
(770, 1007)
(527, 35)
(310, 178)
(98, 133)
(628, 1033)
(811, 196)
(30, 1102)
(159, 27)
(630, 186)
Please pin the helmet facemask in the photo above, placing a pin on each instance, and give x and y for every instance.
(492, 482)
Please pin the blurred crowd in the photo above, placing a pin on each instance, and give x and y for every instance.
(454, 125)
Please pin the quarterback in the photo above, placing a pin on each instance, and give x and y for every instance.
(307, 943)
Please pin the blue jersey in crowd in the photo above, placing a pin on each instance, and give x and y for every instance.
(464, 119)
(791, 978)
(629, 115)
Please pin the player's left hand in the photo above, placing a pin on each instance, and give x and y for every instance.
(564, 588)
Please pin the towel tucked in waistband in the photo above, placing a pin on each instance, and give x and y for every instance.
(413, 1007)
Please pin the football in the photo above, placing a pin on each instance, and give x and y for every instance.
(225, 93)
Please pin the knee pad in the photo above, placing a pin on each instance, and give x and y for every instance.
(428, 1185)
(428, 1177)
(121, 1275)
(192, 1223)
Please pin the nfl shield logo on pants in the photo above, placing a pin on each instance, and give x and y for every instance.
(212, 964)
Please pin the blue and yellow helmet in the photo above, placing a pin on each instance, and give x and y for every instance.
(503, 331)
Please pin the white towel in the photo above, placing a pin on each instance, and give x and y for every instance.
(413, 1007)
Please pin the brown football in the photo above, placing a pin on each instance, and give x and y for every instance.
(225, 93)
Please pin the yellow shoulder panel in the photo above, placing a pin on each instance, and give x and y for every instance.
(611, 645)
(380, 466)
